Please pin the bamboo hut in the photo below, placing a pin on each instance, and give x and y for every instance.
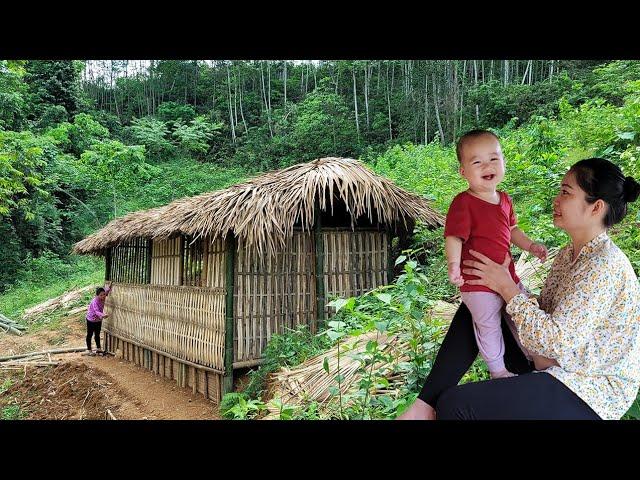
(201, 284)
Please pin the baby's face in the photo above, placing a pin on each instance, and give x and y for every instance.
(482, 163)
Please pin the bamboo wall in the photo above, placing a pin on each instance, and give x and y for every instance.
(354, 262)
(179, 318)
(214, 264)
(199, 379)
(130, 262)
(272, 295)
(184, 322)
(166, 262)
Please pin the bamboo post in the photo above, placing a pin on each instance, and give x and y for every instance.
(227, 385)
(390, 260)
(319, 251)
(149, 254)
(107, 269)
(182, 261)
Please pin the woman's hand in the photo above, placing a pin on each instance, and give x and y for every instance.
(492, 275)
(542, 363)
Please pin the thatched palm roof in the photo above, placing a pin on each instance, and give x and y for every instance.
(262, 212)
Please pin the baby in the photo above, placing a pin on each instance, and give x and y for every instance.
(482, 219)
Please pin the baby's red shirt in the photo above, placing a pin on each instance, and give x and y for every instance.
(483, 227)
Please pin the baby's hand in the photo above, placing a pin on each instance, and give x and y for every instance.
(539, 250)
(454, 274)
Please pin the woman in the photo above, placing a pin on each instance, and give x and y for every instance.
(584, 330)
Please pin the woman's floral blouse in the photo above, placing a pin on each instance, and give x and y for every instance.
(588, 320)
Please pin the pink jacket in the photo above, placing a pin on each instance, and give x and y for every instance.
(96, 308)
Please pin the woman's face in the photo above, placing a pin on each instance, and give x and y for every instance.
(102, 296)
(571, 211)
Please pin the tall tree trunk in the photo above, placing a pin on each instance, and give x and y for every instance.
(195, 84)
(506, 72)
(355, 100)
(235, 98)
(269, 87)
(266, 101)
(285, 85)
(244, 122)
(389, 104)
(306, 83)
(233, 128)
(526, 72)
(367, 74)
(435, 104)
(426, 107)
(475, 84)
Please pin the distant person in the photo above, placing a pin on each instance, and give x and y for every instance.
(95, 315)
(482, 219)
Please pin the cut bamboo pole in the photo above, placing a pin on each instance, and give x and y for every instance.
(228, 340)
(44, 352)
(319, 273)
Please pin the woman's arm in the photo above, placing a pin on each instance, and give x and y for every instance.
(588, 299)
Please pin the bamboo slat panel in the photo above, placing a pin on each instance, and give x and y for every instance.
(185, 322)
(129, 262)
(354, 262)
(272, 294)
(214, 264)
(165, 262)
(199, 380)
(192, 261)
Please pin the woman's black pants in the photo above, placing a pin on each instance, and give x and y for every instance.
(528, 396)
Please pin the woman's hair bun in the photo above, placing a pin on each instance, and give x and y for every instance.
(631, 189)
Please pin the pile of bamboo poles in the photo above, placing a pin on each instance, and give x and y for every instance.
(8, 325)
(63, 301)
(35, 359)
(532, 271)
(310, 382)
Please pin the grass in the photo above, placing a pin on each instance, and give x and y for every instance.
(48, 278)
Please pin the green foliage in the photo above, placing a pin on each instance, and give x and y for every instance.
(237, 406)
(22, 160)
(117, 165)
(194, 138)
(12, 412)
(291, 347)
(498, 103)
(5, 385)
(13, 92)
(46, 277)
(54, 82)
(323, 127)
(153, 134)
(173, 112)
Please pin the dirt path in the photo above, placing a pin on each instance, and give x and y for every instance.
(83, 387)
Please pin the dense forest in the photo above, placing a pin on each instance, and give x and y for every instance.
(84, 141)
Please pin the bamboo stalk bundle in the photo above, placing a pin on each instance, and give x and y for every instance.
(61, 301)
(444, 310)
(310, 382)
(10, 326)
(532, 271)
